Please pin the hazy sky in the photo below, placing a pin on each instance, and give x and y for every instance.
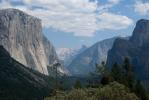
(72, 23)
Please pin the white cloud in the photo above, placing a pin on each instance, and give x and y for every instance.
(142, 8)
(113, 21)
(78, 17)
(5, 4)
(114, 1)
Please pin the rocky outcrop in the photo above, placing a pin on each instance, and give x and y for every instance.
(136, 49)
(18, 82)
(140, 35)
(21, 35)
(84, 63)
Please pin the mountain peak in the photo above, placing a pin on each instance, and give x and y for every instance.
(21, 35)
(141, 33)
(12, 13)
(11, 10)
(136, 49)
(142, 21)
(84, 46)
(84, 63)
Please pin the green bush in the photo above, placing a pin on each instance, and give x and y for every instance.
(113, 91)
(77, 94)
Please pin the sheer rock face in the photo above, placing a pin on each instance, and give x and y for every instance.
(136, 49)
(21, 35)
(141, 33)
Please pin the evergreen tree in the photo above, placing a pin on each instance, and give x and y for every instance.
(132, 82)
(128, 74)
(104, 72)
(77, 85)
(102, 69)
(116, 73)
(140, 91)
(93, 80)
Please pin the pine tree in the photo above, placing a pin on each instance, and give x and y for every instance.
(140, 91)
(104, 72)
(93, 80)
(128, 73)
(132, 82)
(77, 85)
(116, 73)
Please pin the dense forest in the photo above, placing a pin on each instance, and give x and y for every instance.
(116, 83)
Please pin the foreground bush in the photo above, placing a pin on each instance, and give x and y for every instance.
(113, 91)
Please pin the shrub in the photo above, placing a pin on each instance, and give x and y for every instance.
(113, 91)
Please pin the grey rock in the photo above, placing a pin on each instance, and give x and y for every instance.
(141, 33)
(136, 49)
(85, 62)
(21, 35)
(66, 55)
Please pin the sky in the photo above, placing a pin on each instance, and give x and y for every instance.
(73, 23)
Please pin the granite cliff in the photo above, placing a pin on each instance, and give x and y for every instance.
(21, 35)
(84, 63)
(136, 49)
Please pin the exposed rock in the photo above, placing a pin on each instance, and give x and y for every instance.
(84, 63)
(141, 33)
(21, 35)
(136, 49)
(66, 55)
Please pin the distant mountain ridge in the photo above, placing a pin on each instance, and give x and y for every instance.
(66, 55)
(21, 35)
(84, 63)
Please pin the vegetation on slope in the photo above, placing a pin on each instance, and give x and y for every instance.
(117, 83)
(112, 91)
